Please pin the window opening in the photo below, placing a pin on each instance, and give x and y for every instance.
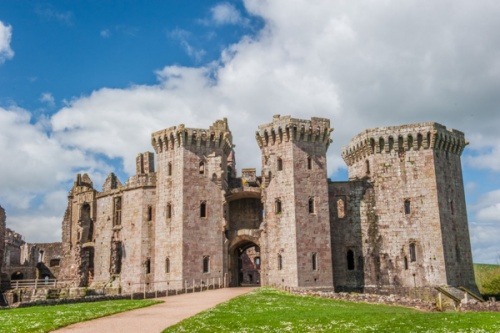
(277, 207)
(169, 211)
(381, 145)
(147, 266)
(167, 265)
(203, 209)
(407, 207)
(340, 208)
(309, 163)
(406, 262)
(311, 206)
(55, 262)
(257, 262)
(452, 208)
(280, 164)
(280, 262)
(150, 213)
(206, 264)
(202, 168)
(413, 253)
(367, 163)
(350, 260)
(40, 256)
(118, 211)
(314, 259)
(169, 169)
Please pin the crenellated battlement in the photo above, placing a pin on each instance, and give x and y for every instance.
(286, 128)
(218, 136)
(404, 138)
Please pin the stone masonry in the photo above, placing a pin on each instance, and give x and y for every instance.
(398, 225)
(3, 276)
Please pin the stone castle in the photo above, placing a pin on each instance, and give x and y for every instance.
(398, 224)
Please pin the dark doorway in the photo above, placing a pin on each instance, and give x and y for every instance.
(245, 265)
(17, 276)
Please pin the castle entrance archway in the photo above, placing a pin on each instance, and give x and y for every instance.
(244, 264)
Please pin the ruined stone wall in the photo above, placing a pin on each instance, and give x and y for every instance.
(346, 199)
(13, 243)
(296, 248)
(401, 218)
(78, 241)
(192, 178)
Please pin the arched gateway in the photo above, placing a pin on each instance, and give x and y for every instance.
(243, 234)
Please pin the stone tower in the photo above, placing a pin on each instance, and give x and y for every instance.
(2, 244)
(412, 213)
(192, 178)
(297, 229)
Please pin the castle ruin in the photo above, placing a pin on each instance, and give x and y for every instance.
(399, 224)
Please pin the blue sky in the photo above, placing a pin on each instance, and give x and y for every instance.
(84, 83)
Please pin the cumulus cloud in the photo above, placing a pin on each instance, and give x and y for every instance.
(5, 38)
(361, 65)
(225, 13)
(47, 98)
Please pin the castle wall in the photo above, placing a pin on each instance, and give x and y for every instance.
(346, 202)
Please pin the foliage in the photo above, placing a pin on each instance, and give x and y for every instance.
(488, 279)
(49, 318)
(269, 310)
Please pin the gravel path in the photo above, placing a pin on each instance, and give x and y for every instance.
(156, 318)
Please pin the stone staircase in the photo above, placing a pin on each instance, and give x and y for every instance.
(456, 296)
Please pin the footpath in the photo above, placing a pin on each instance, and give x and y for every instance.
(156, 318)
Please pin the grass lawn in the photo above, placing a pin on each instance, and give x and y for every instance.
(49, 318)
(269, 310)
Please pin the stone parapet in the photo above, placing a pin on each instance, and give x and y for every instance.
(286, 128)
(218, 135)
(403, 138)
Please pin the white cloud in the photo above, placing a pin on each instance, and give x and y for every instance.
(47, 98)
(49, 12)
(361, 65)
(225, 13)
(484, 241)
(5, 38)
(105, 33)
(487, 207)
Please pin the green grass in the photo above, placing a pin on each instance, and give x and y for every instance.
(49, 318)
(488, 279)
(269, 310)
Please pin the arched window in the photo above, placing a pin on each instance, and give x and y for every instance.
(413, 252)
(167, 265)
(428, 145)
(279, 163)
(202, 167)
(206, 264)
(391, 143)
(407, 206)
(350, 260)
(203, 209)
(147, 266)
(372, 145)
(314, 261)
(309, 163)
(277, 206)
(311, 206)
(214, 177)
(280, 262)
